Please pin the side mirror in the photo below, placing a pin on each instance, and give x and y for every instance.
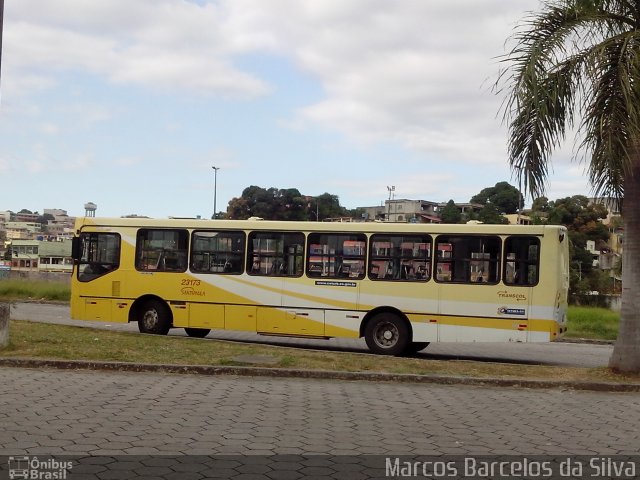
(76, 249)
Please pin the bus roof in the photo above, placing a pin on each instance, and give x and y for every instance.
(355, 227)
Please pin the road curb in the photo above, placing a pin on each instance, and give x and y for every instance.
(589, 341)
(315, 374)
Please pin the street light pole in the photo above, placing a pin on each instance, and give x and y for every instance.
(215, 190)
(391, 190)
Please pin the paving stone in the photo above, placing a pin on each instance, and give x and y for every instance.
(185, 414)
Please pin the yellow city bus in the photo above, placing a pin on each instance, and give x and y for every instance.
(400, 286)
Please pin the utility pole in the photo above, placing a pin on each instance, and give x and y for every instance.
(215, 190)
(4, 307)
(1, 29)
(391, 189)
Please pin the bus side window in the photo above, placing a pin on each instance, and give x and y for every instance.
(162, 250)
(275, 254)
(99, 255)
(468, 259)
(217, 252)
(400, 257)
(336, 255)
(522, 261)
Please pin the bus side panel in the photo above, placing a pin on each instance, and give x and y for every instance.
(549, 298)
(290, 321)
(204, 315)
(481, 313)
(542, 325)
(97, 309)
(240, 317)
(180, 313)
(76, 304)
(120, 310)
(342, 323)
(425, 327)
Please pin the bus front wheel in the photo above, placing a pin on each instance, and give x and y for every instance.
(197, 332)
(387, 334)
(154, 318)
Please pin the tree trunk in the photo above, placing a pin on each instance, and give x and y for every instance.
(4, 324)
(626, 352)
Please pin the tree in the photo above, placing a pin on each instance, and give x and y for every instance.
(583, 222)
(283, 204)
(450, 213)
(540, 204)
(490, 214)
(325, 206)
(506, 198)
(578, 59)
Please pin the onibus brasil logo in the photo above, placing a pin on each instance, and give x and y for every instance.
(32, 468)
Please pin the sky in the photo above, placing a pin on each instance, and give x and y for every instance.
(129, 105)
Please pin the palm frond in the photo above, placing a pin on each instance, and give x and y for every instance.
(612, 116)
(553, 63)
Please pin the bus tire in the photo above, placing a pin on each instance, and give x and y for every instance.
(387, 334)
(197, 332)
(415, 347)
(154, 317)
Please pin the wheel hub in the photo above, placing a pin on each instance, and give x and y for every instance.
(387, 335)
(150, 319)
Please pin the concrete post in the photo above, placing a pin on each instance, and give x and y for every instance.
(4, 324)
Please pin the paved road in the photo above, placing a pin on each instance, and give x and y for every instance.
(52, 412)
(557, 353)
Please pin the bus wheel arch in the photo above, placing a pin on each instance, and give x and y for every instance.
(387, 331)
(152, 314)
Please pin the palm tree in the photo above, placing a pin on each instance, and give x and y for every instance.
(577, 63)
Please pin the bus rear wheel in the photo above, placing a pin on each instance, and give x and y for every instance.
(154, 318)
(415, 347)
(387, 334)
(197, 332)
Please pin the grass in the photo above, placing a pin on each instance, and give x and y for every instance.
(37, 340)
(592, 323)
(12, 290)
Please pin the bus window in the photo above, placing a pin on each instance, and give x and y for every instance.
(162, 250)
(400, 257)
(522, 261)
(467, 259)
(217, 252)
(99, 255)
(275, 254)
(336, 255)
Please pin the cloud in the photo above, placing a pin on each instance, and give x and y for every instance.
(6, 166)
(415, 74)
(165, 45)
